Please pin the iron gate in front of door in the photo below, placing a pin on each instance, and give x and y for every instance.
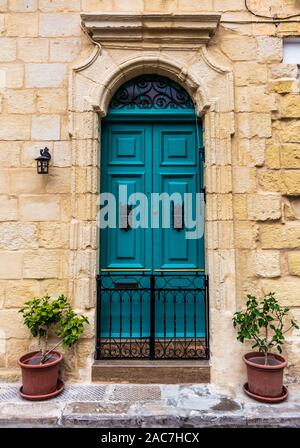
(163, 316)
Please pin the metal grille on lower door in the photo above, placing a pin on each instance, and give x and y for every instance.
(143, 316)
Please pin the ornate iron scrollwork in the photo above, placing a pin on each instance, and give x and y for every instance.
(151, 92)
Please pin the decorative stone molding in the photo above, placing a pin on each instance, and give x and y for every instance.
(177, 31)
(210, 84)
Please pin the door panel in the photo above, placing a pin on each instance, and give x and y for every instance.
(127, 162)
(176, 170)
(150, 157)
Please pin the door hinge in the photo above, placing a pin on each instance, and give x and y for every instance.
(203, 190)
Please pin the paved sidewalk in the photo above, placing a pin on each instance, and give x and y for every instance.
(131, 406)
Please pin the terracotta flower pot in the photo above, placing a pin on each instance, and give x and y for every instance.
(265, 380)
(39, 379)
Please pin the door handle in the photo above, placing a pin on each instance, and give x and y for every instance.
(124, 217)
(178, 216)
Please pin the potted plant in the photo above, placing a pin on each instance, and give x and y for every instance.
(44, 317)
(263, 322)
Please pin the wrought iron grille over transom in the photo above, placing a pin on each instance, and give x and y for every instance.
(151, 92)
(142, 316)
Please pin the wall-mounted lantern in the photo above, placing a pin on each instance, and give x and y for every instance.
(43, 161)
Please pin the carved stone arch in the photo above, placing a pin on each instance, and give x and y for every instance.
(210, 84)
(149, 64)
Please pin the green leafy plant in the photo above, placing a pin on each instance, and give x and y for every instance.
(45, 315)
(263, 322)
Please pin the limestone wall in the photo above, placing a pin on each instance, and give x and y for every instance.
(48, 241)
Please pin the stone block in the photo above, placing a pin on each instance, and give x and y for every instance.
(233, 5)
(52, 101)
(17, 293)
(289, 106)
(240, 207)
(250, 152)
(280, 236)
(59, 180)
(12, 75)
(219, 179)
(239, 48)
(33, 50)
(243, 179)
(270, 180)
(273, 156)
(15, 349)
(291, 182)
(84, 125)
(59, 5)
(284, 71)
(289, 131)
(290, 155)
(11, 323)
(294, 263)
(288, 212)
(254, 125)
(267, 263)
(3, 5)
(149, 6)
(219, 207)
(62, 156)
(64, 24)
(45, 127)
(10, 375)
(41, 264)
(22, 25)
(18, 236)
(40, 208)
(269, 49)
(54, 287)
(84, 352)
(284, 86)
(254, 99)
(66, 208)
(64, 50)
(286, 289)
(64, 127)
(21, 101)
(93, 5)
(45, 75)
(15, 127)
(8, 49)
(263, 207)
(8, 208)
(245, 234)
(23, 5)
(11, 266)
(54, 235)
(4, 181)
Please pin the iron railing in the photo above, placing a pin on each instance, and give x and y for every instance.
(142, 316)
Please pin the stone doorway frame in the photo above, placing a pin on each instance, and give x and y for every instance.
(118, 56)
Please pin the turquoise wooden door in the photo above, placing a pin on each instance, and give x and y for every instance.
(150, 143)
(151, 158)
(148, 157)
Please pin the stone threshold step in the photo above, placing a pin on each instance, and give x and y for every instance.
(151, 372)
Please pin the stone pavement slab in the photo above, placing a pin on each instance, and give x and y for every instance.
(133, 406)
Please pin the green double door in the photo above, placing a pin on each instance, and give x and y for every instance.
(150, 157)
